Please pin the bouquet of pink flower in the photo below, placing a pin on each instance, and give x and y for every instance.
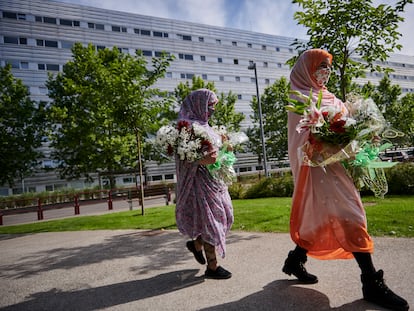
(349, 135)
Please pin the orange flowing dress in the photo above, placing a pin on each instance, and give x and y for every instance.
(327, 216)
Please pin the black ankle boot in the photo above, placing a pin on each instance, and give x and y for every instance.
(375, 291)
(294, 264)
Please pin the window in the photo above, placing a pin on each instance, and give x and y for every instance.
(237, 79)
(48, 43)
(49, 20)
(204, 76)
(168, 74)
(51, 44)
(41, 66)
(136, 30)
(123, 50)
(200, 39)
(100, 47)
(38, 19)
(267, 81)
(249, 45)
(279, 65)
(264, 47)
(128, 180)
(96, 26)
(251, 63)
(68, 22)
(221, 78)
(239, 96)
(116, 28)
(13, 63)
(187, 76)
(185, 56)
(169, 176)
(11, 15)
(277, 49)
(147, 53)
(24, 65)
(265, 64)
(66, 44)
(11, 40)
(218, 41)
(65, 22)
(235, 61)
(220, 60)
(52, 67)
(145, 32)
(202, 58)
(158, 53)
(187, 38)
(234, 43)
(157, 33)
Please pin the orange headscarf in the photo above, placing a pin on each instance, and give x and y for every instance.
(301, 76)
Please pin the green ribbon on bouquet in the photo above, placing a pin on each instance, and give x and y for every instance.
(368, 170)
(223, 167)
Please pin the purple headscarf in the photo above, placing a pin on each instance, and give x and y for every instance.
(195, 106)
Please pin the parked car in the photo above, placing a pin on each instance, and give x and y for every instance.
(394, 156)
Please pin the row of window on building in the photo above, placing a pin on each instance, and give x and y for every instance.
(122, 29)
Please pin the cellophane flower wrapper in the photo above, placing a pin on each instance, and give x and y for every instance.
(223, 168)
(345, 136)
(189, 142)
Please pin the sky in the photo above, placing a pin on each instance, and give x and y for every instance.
(273, 17)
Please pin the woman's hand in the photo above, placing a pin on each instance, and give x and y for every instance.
(209, 159)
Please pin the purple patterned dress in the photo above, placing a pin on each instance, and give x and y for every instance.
(203, 206)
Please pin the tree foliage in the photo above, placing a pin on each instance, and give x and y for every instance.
(103, 106)
(21, 129)
(273, 102)
(358, 34)
(398, 110)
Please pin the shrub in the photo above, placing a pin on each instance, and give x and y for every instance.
(281, 186)
(401, 179)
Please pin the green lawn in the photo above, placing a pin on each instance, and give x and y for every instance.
(393, 216)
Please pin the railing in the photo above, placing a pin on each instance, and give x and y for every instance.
(41, 204)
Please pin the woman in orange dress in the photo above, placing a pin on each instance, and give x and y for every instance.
(328, 219)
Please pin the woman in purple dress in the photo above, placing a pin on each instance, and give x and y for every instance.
(204, 210)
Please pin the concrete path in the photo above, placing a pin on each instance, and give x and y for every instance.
(152, 270)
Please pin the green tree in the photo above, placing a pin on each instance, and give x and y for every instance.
(358, 34)
(21, 129)
(103, 106)
(400, 114)
(384, 94)
(397, 110)
(273, 101)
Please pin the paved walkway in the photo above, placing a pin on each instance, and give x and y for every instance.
(152, 270)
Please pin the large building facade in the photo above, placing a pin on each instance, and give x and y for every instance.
(36, 37)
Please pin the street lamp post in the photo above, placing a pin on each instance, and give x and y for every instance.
(253, 67)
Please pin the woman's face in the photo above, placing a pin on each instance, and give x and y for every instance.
(211, 108)
(322, 73)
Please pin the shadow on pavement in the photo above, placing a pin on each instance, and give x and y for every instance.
(109, 295)
(288, 295)
(159, 249)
